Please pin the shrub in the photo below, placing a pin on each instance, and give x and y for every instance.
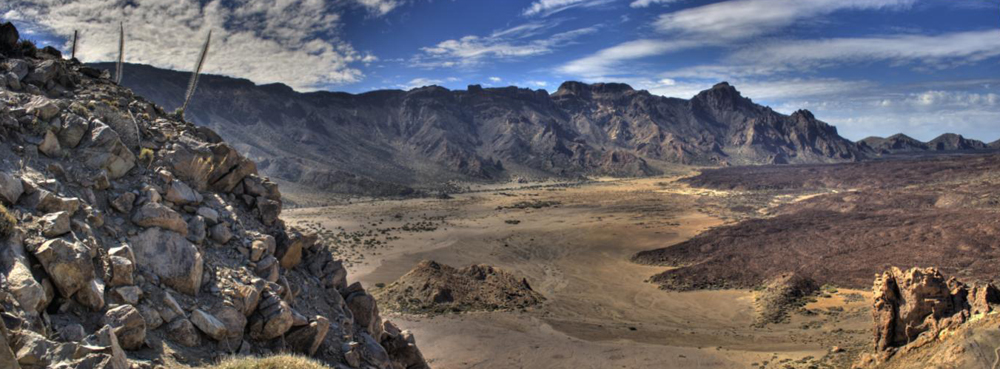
(146, 156)
(7, 222)
(272, 362)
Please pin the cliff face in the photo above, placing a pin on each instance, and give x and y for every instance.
(429, 135)
(132, 238)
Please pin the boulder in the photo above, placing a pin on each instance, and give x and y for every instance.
(257, 250)
(217, 166)
(402, 347)
(269, 210)
(153, 214)
(267, 268)
(196, 230)
(55, 224)
(67, 263)
(183, 332)
(124, 202)
(50, 145)
(128, 325)
(290, 248)
(43, 73)
(365, 311)
(72, 333)
(220, 233)
(42, 108)
(272, 319)
(211, 216)
(122, 269)
(28, 292)
(19, 67)
(72, 132)
(92, 295)
(127, 294)
(209, 324)
(234, 321)
(9, 38)
(11, 188)
(171, 257)
(179, 193)
(50, 203)
(306, 340)
(106, 340)
(168, 307)
(149, 314)
(329, 270)
(103, 149)
(32, 349)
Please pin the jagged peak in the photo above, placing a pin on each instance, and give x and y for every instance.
(804, 113)
(580, 88)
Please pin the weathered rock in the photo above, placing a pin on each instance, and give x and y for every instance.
(122, 270)
(72, 333)
(42, 108)
(91, 295)
(72, 132)
(267, 268)
(103, 149)
(211, 216)
(11, 188)
(180, 193)
(196, 230)
(9, 38)
(123, 203)
(257, 250)
(220, 233)
(68, 263)
(153, 214)
(55, 224)
(50, 203)
(290, 249)
(209, 324)
(269, 210)
(128, 325)
(247, 297)
(50, 145)
(106, 338)
(149, 314)
(306, 340)
(171, 257)
(7, 357)
(208, 166)
(402, 347)
(329, 270)
(272, 319)
(28, 292)
(43, 73)
(128, 294)
(233, 320)
(365, 311)
(183, 332)
(169, 309)
(32, 349)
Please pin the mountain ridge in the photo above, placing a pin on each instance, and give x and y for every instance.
(388, 142)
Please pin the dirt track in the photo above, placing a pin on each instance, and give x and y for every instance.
(600, 311)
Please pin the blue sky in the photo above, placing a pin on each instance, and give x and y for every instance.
(871, 67)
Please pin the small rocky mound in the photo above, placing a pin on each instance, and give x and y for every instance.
(917, 307)
(436, 288)
(780, 296)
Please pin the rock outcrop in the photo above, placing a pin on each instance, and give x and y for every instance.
(912, 307)
(105, 256)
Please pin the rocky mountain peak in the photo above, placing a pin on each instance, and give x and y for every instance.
(722, 96)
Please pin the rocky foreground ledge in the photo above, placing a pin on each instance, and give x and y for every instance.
(130, 238)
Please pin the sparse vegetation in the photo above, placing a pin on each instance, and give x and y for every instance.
(7, 222)
(272, 362)
(146, 156)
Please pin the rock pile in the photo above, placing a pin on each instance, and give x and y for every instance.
(911, 308)
(437, 288)
(142, 241)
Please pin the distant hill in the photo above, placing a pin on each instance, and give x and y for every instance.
(390, 141)
(902, 143)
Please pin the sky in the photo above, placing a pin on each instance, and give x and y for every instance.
(870, 67)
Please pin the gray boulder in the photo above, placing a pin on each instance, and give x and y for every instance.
(154, 214)
(171, 257)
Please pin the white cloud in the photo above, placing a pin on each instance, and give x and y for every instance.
(495, 79)
(265, 41)
(548, 7)
(379, 7)
(473, 50)
(646, 3)
(604, 62)
(420, 82)
(538, 83)
(739, 19)
(938, 51)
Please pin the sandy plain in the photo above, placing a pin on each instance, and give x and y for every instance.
(573, 242)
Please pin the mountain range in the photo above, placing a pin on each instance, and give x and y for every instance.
(389, 142)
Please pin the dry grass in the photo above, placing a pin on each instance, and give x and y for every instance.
(7, 222)
(272, 362)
